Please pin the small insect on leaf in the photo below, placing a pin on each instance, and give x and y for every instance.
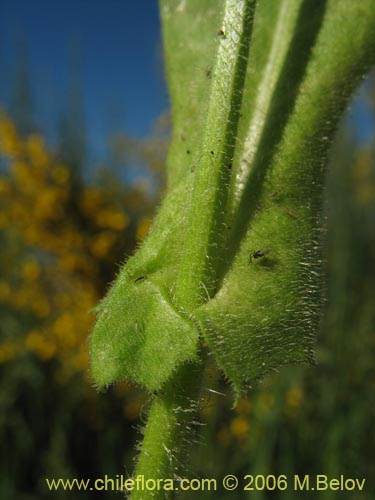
(258, 254)
(140, 278)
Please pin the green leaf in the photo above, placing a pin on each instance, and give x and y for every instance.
(140, 337)
(266, 312)
(235, 249)
(127, 336)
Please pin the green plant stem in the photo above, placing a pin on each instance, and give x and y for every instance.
(197, 277)
(169, 423)
(170, 429)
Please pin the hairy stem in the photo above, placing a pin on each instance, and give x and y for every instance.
(172, 414)
(171, 429)
(197, 276)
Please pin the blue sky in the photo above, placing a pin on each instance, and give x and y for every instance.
(120, 54)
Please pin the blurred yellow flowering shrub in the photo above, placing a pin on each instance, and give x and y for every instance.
(59, 238)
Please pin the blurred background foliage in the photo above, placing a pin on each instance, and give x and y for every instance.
(62, 235)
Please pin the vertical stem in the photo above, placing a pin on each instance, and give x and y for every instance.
(169, 427)
(170, 430)
(204, 244)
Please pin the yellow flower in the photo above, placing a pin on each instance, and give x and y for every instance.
(239, 427)
(5, 188)
(60, 256)
(112, 219)
(101, 245)
(36, 150)
(10, 144)
(64, 330)
(38, 343)
(91, 199)
(31, 234)
(60, 175)
(49, 204)
(4, 291)
(31, 270)
(41, 307)
(21, 171)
